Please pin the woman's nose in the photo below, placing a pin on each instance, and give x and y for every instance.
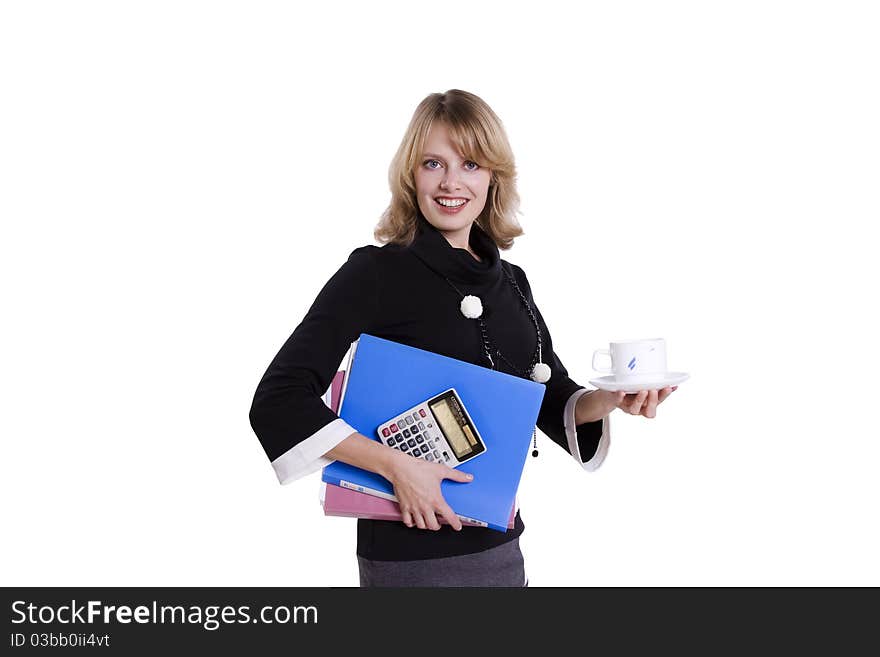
(450, 181)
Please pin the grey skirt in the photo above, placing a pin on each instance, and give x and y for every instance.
(498, 566)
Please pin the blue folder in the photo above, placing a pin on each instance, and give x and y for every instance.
(385, 378)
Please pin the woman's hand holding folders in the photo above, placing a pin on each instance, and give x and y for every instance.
(417, 488)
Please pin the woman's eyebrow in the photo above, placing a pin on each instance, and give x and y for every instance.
(440, 157)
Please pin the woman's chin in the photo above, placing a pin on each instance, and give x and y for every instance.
(446, 222)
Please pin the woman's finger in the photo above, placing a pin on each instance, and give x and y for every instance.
(626, 402)
(407, 518)
(453, 520)
(420, 521)
(636, 406)
(431, 521)
(650, 408)
(664, 394)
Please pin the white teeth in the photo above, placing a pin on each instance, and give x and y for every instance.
(450, 203)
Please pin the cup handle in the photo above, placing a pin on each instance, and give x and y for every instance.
(605, 370)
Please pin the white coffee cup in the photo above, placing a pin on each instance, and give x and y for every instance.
(635, 360)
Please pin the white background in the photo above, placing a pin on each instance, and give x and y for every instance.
(179, 179)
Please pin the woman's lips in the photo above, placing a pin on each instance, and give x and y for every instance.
(448, 210)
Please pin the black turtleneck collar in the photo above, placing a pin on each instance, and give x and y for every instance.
(457, 264)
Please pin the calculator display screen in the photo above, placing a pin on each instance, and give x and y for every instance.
(454, 432)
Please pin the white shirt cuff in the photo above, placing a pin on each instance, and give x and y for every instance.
(308, 456)
(571, 433)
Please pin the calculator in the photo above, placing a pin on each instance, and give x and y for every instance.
(438, 430)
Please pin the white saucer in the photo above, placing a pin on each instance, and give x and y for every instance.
(613, 385)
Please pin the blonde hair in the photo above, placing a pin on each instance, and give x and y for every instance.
(479, 135)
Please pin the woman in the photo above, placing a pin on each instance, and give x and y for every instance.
(453, 204)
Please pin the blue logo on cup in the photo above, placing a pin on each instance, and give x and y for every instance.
(632, 364)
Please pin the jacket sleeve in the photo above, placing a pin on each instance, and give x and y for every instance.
(588, 443)
(288, 414)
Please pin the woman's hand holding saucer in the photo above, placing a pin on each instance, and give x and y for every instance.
(599, 403)
(643, 402)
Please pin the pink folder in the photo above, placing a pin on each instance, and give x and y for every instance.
(344, 502)
(338, 501)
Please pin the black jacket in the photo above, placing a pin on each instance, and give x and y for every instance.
(399, 293)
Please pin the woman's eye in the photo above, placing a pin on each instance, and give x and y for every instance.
(469, 165)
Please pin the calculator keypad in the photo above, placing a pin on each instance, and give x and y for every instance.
(412, 434)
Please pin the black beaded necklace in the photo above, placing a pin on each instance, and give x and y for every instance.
(489, 346)
(472, 308)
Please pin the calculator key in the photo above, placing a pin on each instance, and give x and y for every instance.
(393, 427)
(422, 412)
(386, 432)
(428, 457)
(446, 456)
(431, 443)
(430, 426)
(415, 417)
(414, 429)
(419, 439)
(404, 447)
(422, 426)
(416, 452)
(411, 442)
(409, 419)
(398, 437)
(436, 454)
(406, 433)
(391, 441)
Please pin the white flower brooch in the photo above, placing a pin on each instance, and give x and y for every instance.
(541, 373)
(471, 307)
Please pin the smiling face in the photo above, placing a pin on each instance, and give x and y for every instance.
(451, 190)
